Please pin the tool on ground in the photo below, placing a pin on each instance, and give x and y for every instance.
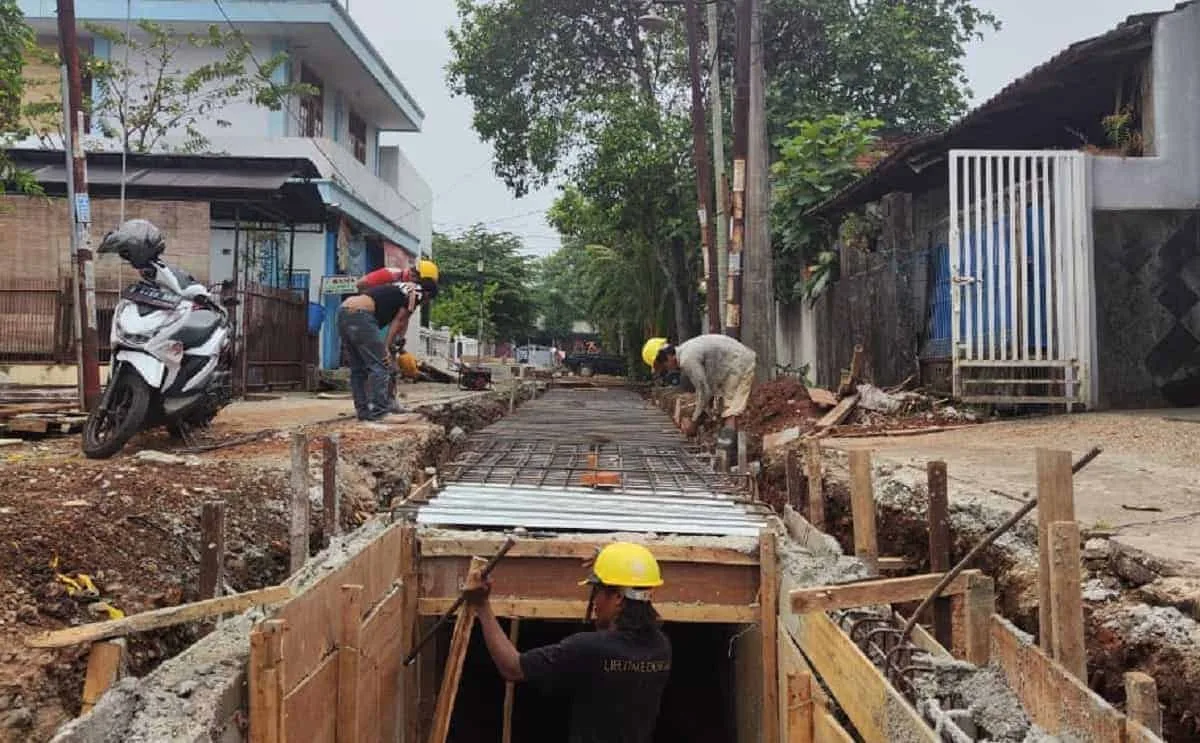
(996, 533)
(483, 574)
(474, 378)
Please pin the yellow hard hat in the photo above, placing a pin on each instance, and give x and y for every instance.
(427, 269)
(651, 348)
(625, 565)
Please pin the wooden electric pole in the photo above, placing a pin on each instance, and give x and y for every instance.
(758, 265)
(704, 207)
(716, 108)
(741, 111)
(86, 342)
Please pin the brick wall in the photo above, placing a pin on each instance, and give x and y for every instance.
(35, 237)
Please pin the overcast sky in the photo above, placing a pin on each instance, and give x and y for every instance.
(458, 166)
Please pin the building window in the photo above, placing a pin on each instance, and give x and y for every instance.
(312, 106)
(358, 137)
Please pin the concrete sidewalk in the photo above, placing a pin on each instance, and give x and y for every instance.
(1150, 461)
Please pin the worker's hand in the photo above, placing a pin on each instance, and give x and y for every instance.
(689, 427)
(476, 588)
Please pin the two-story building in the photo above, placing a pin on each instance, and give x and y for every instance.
(374, 208)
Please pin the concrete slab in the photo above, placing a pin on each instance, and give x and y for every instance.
(1145, 487)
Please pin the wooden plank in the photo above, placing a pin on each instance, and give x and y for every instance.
(824, 398)
(548, 578)
(459, 642)
(574, 608)
(380, 666)
(582, 550)
(103, 670)
(308, 714)
(769, 606)
(922, 639)
(510, 689)
(1141, 702)
(816, 485)
(939, 546)
(874, 592)
(839, 413)
(298, 530)
(158, 618)
(1056, 502)
(799, 708)
(1054, 699)
(349, 647)
(1136, 732)
(266, 693)
(791, 478)
(825, 727)
(979, 604)
(408, 679)
(331, 502)
(878, 712)
(212, 548)
(1066, 600)
(862, 506)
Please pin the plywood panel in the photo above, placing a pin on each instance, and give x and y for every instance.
(310, 711)
(581, 550)
(379, 670)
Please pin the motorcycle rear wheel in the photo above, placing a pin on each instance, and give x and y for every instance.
(106, 434)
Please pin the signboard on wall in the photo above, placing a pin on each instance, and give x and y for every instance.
(339, 285)
(395, 256)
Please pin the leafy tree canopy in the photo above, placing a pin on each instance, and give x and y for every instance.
(15, 38)
(513, 310)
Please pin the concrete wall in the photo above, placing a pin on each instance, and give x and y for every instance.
(1148, 307)
(1170, 179)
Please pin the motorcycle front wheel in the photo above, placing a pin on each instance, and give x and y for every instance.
(107, 431)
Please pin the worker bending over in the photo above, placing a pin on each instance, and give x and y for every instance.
(360, 318)
(716, 365)
(614, 675)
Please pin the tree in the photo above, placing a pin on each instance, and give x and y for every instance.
(146, 97)
(15, 38)
(458, 308)
(512, 312)
(559, 290)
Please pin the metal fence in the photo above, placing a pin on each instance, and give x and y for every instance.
(279, 349)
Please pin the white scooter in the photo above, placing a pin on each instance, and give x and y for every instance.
(171, 359)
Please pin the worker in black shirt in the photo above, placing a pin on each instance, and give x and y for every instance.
(614, 675)
(360, 319)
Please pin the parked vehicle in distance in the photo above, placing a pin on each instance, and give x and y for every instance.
(588, 364)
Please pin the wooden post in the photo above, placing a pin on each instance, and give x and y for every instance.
(1141, 701)
(1068, 642)
(266, 679)
(348, 647)
(512, 396)
(862, 506)
(799, 708)
(331, 509)
(410, 714)
(298, 533)
(1056, 502)
(816, 487)
(791, 476)
(978, 604)
(103, 670)
(212, 548)
(452, 673)
(768, 587)
(743, 456)
(939, 548)
(514, 632)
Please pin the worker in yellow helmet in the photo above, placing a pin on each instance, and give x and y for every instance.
(717, 366)
(426, 274)
(614, 675)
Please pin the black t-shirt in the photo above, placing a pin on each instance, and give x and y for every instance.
(615, 680)
(390, 299)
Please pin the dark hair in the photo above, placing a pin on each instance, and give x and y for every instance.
(637, 617)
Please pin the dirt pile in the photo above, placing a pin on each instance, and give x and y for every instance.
(776, 405)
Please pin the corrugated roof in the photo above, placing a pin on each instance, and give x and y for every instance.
(1135, 34)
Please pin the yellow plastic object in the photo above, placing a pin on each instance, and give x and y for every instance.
(625, 565)
(112, 611)
(407, 364)
(427, 269)
(651, 348)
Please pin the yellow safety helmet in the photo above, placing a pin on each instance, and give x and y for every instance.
(651, 348)
(427, 269)
(626, 565)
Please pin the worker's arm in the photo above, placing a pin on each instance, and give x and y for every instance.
(398, 327)
(694, 370)
(504, 653)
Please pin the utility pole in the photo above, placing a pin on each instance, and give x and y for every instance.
(704, 210)
(758, 306)
(479, 341)
(86, 343)
(741, 110)
(718, 140)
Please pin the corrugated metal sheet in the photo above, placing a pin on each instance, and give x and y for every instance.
(198, 178)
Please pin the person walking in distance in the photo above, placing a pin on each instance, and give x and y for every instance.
(615, 675)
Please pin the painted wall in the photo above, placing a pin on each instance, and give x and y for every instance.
(1148, 307)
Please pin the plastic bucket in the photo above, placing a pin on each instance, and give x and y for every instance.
(316, 316)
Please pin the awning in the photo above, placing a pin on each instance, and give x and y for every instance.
(195, 179)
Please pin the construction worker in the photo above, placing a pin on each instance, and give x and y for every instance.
(616, 674)
(426, 274)
(716, 365)
(360, 318)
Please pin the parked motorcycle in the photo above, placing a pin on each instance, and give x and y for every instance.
(171, 349)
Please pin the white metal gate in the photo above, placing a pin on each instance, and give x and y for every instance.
(1023, 301)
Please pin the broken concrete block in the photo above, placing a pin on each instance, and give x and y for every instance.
(871, 397)
(1096, 549)
(773, 441)
(158, 457)
(1181, 593)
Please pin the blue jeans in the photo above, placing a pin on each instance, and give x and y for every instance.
(369, 373)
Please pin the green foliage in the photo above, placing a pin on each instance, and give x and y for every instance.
(149, 98)
(512, 311)
(819, 276)
(818, 160)
(458, 309)
(15, 37)
(559, 289)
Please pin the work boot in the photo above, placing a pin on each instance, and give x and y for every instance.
(394, 418)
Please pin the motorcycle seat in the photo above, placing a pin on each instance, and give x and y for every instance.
(198, 328)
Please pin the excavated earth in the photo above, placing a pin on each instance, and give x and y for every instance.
(131, 524)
